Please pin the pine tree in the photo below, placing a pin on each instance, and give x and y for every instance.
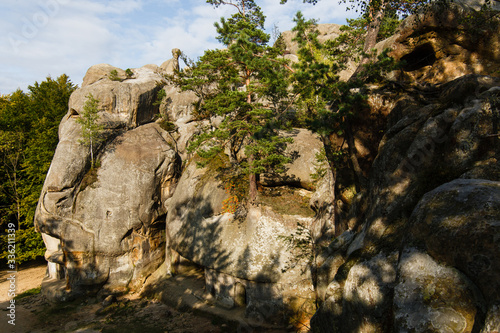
(328, 103)
(244, 85)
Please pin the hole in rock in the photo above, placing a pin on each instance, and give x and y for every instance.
(422, 56)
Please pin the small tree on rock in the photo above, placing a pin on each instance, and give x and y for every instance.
(91, 128)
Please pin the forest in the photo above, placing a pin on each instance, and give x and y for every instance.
(28, 138)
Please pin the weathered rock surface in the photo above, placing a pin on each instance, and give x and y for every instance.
(431, 297)
(421, 243)
(106, 226)
(125, 103)
(303, 150)
(113, 232)
(452, 136)
(326, 31)
(171, 65)
(248, 252)
(436, 49)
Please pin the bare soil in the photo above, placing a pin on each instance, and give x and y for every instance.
(180, 310)
(128, 313)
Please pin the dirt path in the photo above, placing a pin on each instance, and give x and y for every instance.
(28, 277)
(182, 310)
(125, 314)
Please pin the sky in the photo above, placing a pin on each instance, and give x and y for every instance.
(41, 38)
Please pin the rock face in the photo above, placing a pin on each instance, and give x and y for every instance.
(109, 229)
(423, 255)
(240, 255)
(325, 32)
(435, 48)
(106, 226)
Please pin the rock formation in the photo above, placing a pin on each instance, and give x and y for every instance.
(106, 226)
(417, 249)
(406, 262)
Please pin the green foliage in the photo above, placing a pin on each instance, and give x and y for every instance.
(28, 137)
(479, 23)
(160, 96)
(129, 73)
(302, 245)
(91, 128)
(245, 86)
(316, 78)
(320, 165)
(113, 75)
(326, 103)
(27, 293)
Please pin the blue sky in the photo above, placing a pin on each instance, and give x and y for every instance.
(40, 38)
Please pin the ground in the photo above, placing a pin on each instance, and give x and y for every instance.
(129, 313)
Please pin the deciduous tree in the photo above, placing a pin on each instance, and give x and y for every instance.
(91, 128)
(28, 137)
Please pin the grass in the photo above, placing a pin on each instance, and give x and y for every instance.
(89, 178)
(27, 293)
(286, 201)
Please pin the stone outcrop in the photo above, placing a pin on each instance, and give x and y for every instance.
(241, 255)
(110, 228)
(105, 226)
(416, 250)
(326, 32)
(171, 65)
(451, 135)
(442, 44)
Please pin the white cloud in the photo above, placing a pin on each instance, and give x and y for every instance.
(52, 37)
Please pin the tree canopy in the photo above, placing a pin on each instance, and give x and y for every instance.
(28, 137)
(244, 87)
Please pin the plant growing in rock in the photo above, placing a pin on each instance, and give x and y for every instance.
(129, 73)
(113, 75)
(91, 128)
(328, 104)
(302, 245)
(244, 86)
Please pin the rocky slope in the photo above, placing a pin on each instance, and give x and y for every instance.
(417, 249)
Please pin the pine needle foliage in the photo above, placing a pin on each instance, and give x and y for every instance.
(244, 88)
(29, 124)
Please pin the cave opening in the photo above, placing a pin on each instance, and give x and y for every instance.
(422, 56)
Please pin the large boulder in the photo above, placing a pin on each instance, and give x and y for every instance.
(451, 138)
(125, 102)
(458, 224)
(112, 231)
(104, 226)
(248, 251)
(432, 297)
(435, 48)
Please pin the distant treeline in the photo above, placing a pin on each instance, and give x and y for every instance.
(29, 124)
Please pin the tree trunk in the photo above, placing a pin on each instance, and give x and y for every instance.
(330, 157)
(360, 179)
(252, 191)
(252, 179)
(376, 16)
